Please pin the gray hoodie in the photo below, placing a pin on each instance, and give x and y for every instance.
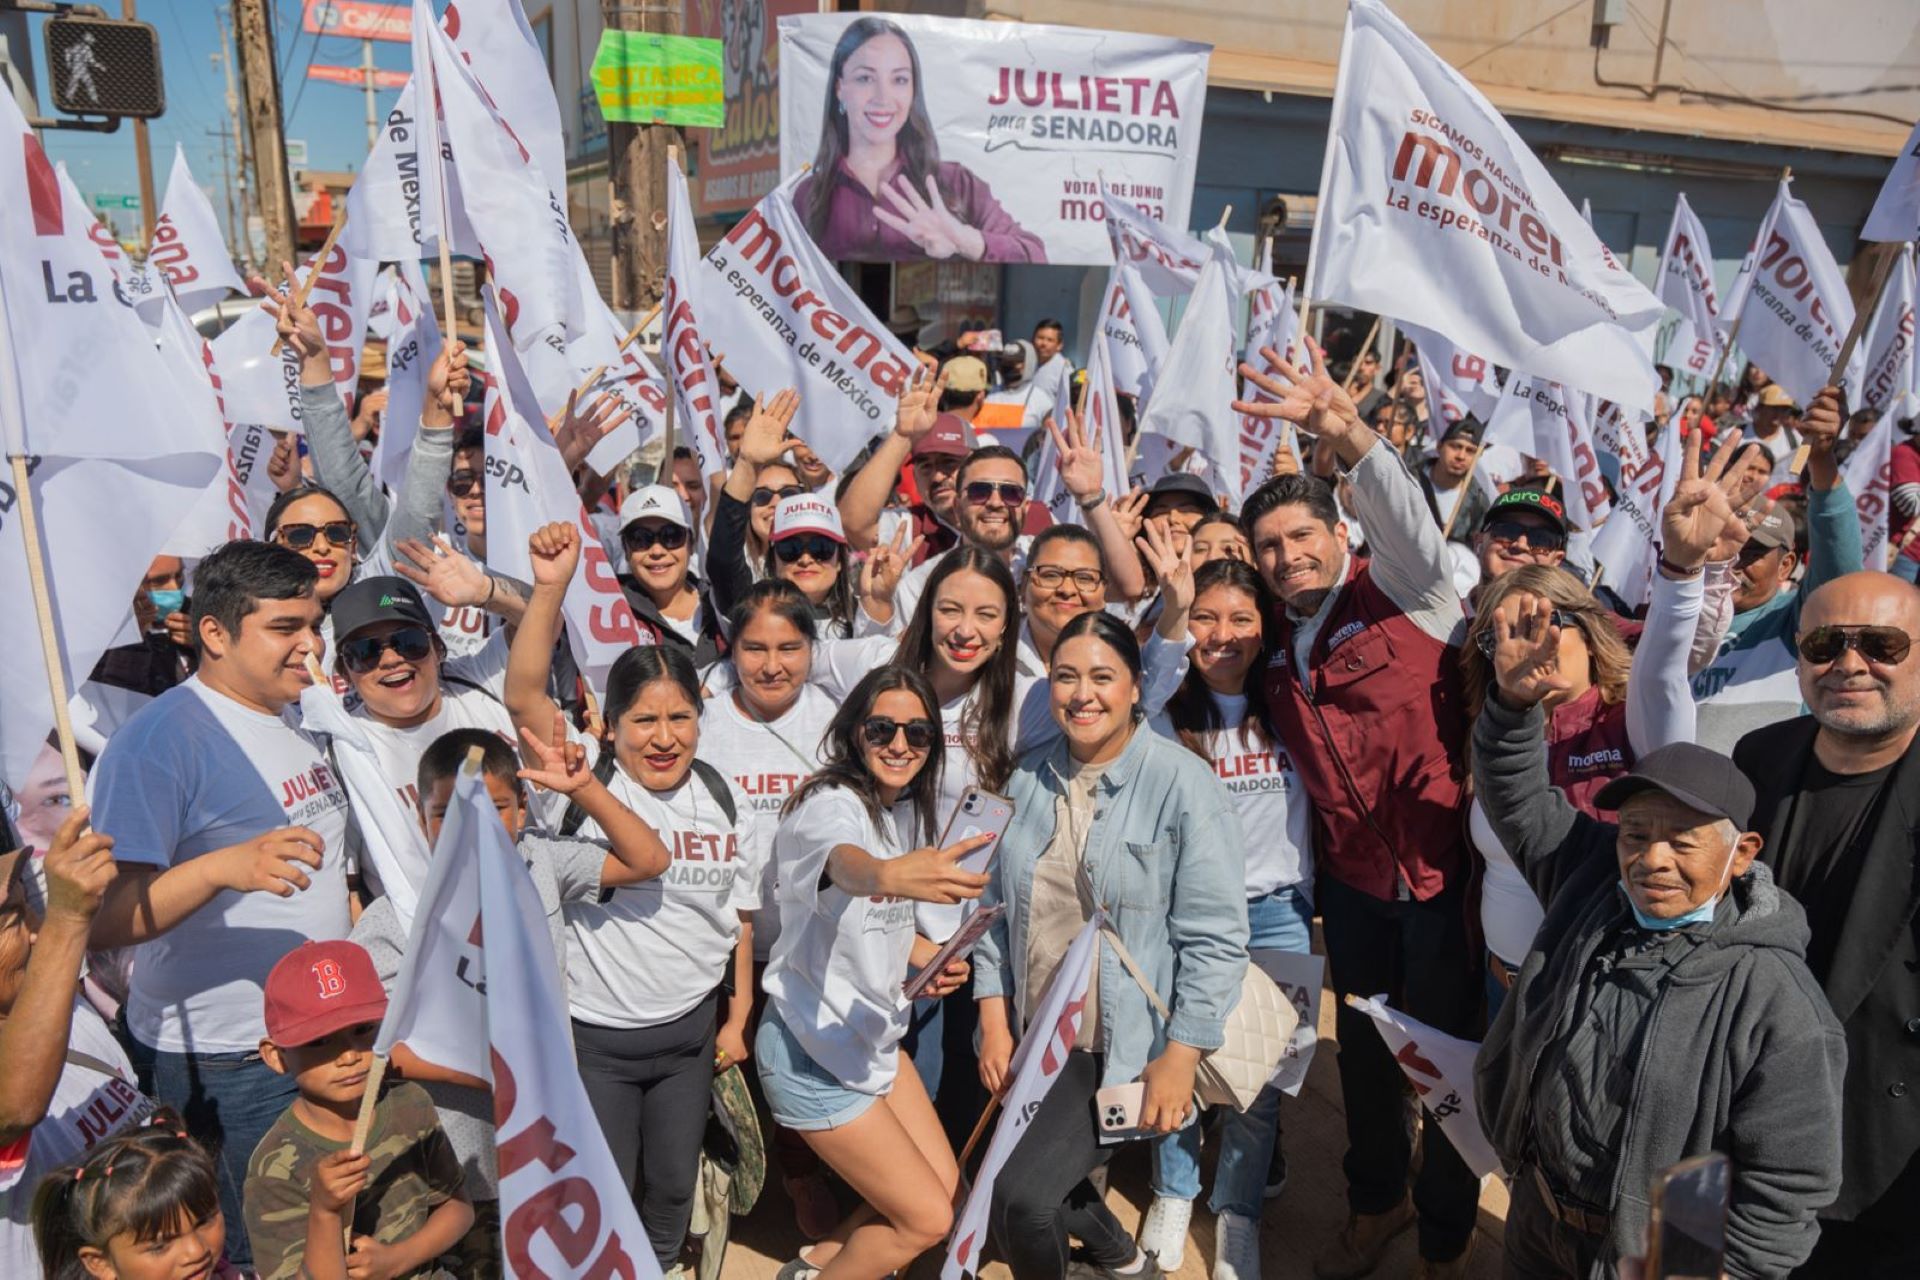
(1742, 1054)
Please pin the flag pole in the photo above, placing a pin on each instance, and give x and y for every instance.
(314, 264)
(673, 390)
(632, 335)
(1361, 352)
(43, 610)
(1880, 273)
(1446, 530)
(1733, 331)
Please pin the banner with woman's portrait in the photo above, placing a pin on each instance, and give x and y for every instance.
(986, 141)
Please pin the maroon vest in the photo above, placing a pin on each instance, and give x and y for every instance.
(1380, 744)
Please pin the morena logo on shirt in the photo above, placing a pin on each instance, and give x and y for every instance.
(1603, 758)
(1347, 632)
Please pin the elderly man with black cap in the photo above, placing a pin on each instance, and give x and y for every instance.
(1665, 1009)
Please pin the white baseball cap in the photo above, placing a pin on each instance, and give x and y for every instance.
(807, 513)
(655, 502)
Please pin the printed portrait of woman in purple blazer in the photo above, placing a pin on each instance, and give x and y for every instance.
(879, 191)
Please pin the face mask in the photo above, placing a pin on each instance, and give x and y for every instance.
(1699, 915)
(168, 601)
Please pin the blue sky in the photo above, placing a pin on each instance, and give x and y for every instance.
(330, 117)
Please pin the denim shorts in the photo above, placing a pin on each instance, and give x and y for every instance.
(802, 1094)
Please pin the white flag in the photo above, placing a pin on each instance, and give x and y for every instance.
(1547, 421)
(1169, 260)
(528, 486)
(187, 247)
(412, 347)
(1036, 1064)
(1627, 546)
(1794, 298)
(1271, 320)
(1299, 975)
(1440, 1069)
(480, 960)
(1193, 404)
(1895, 216)
(1890, 380)
(1618, 431)
(78, 210)
(235, 504)
(1868, 472)
(1134, 332)
(497, 43)
(116, 463)
(1458, 382)
(392, 840)
(1686, 285)
(785, 317)
(1433, 210)
(260, 386)
(695, 388)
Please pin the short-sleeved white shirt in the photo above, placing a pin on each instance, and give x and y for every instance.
(195, 771)
(472, 696)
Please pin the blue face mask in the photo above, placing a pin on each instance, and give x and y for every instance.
(168, 601)
(1699, 915)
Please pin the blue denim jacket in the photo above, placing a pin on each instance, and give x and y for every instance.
(1167, 860)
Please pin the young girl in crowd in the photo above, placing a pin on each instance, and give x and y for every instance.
(144, 1205)
(829, 1041)
(1117, 818)
(645, 965)
(1216, 715)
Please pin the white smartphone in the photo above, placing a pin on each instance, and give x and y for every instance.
(1118, 1107)
(979, 813)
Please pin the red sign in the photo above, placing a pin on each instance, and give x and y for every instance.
(382, 79)
(359, 20)
(739, 162)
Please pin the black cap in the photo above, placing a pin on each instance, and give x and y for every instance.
(1693, 775)
(1183, 484)
(1541, 504)
(1468, 426)
(372, 600)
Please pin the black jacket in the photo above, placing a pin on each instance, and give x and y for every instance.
(712, 645)
(1874, 979)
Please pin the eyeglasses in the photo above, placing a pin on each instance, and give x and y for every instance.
(818, 545)
(765, 497)
(636, 538)
(1489, 640)
(1539, 537)
(980, 492)
(463, 482)
(1050, 576)
(879, 731)
(300, 536)
(1887, 646)
(361, 654)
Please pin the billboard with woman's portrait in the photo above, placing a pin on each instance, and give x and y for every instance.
(938, 138)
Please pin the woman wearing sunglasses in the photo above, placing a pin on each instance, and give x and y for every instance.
(763, 475)
(829, 1041)
(645, 964)
(670, 604)
(1112, 816)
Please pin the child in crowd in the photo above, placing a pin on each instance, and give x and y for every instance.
(144, 1203)
(403, 1197)
(564, 870)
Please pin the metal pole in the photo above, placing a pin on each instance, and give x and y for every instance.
(142, 153)
(366, 75)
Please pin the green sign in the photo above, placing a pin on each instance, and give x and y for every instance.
(106, 204)
(643, 78)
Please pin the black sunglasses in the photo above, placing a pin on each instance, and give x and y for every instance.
(1887, 646)
(764, 497)
(980, 492)
(879, 731)
(1489, 640)
(1539, 537)
(818, 545)
(463, 482)
(300, 536)
(637, 537)
(361, 654)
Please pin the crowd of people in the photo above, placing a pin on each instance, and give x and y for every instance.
(1659, 861)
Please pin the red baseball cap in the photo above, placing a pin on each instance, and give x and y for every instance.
(319, 988)
(950, 436)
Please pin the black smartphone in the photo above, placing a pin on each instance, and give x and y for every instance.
(1688, 1232)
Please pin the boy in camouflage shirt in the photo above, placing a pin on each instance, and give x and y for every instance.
(403, 1199)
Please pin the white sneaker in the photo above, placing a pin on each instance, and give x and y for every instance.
(1237, 1248)
(1163, 1232)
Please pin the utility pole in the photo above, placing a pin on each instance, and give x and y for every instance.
(366, 77)
(236, 232)
(243, 205)
(260, 83)
(637, 176)
(142, 153)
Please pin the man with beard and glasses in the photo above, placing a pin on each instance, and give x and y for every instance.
(1840, 810)
(1364, 689)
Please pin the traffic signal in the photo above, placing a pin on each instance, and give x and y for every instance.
(105, 67)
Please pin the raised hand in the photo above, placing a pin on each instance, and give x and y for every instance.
(283, 464)
(880, 573)
(455, 580)
(1173, 569)
(1526, 651)
(1310, 399)
(919, 404)
(1820, 425)
(768, 434)
(79, 868)
(1286, 459)
(298, 326)
(1079, 461)
(1129, 510)
(926, 221)
(576, 433)
(563, 762)
(555, 551)
(448, 381)
(1698, 515)
(366, 414)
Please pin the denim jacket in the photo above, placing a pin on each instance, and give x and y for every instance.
(1167, 860)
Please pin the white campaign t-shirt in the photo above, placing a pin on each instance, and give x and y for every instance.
(88, 1106)
(192, 772)
(1273, 808)
(654, 950)
(766, 760)
(838, 967)
(472, 696)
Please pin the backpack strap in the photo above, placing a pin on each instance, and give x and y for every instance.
(603, 767)
(716, 784)
(711, 778)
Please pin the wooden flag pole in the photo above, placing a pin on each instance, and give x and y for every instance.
(1880, 273)
(1361, 353)
(979, 1131)
(1460, 503)
(300, 290)
(49, 636)
(673, 390)
(633, 335)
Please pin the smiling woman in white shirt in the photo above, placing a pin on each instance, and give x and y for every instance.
(829, 1041)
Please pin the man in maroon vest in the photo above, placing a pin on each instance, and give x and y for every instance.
(1363, 687)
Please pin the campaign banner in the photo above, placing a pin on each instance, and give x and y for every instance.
(1686, 285)
(1868, 472)
(1791, 300)
(1895, 215)
(739, 162)
(1627, 546)
(1459, 383)
(1890, 381)
(1299, 975)
(1001, 151)
(1548, 421)
(1440, 1069)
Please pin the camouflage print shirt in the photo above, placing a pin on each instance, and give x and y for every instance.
(413, 1172)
